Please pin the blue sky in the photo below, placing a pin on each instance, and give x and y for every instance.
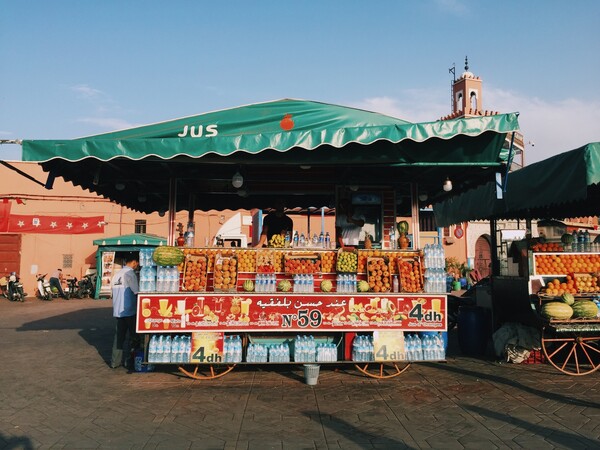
(71, 68)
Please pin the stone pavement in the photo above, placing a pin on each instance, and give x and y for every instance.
(56, 391)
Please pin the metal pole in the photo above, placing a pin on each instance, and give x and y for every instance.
(172, 210)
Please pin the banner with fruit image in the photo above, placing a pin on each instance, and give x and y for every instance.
(173, 313)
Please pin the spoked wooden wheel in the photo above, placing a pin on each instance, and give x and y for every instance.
(382, 370)
(206, 371)
(573, 353)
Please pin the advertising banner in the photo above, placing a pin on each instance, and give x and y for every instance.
(245, 312)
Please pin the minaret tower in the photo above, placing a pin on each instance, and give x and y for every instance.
(466, 95)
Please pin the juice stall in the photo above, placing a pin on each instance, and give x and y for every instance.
(557, 287)
(233, 306)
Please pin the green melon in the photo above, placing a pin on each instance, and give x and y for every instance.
(568, 298)
(284, 286)
(362, 286)
(326, 286)
(584, 309)
(556, 310)
(168, 256)
(566, 239)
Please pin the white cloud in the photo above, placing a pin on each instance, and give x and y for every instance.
(86, 92)
(554, 126)
(107, 123)
(456, 7)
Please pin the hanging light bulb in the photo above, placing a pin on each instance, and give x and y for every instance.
(237, 180)
(447, 185)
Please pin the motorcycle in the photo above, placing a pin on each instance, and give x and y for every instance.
(15, 289)
(86, 287)
(44, 291)
(71, 290)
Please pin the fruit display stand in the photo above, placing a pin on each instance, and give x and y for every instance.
(212, 317)
(566, 285)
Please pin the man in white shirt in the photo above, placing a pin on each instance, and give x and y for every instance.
(125, 288)
(347, 226)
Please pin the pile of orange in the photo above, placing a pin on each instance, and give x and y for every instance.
(557, 287)
(225, 274)
(328, 262)
(410, 276)
(246, 260)
(378, 275)
(567, 263)
(547, 247)
(194, 276)
(272, 258)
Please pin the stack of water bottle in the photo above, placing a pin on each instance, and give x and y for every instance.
(430, 347)
(167, 349)
(582, 242)
(167, 279)
(346, 283)
(148, 271)
(232, 349)
(320, 241)
(257, 353)
(304, 283)
(279, 352)
(435, 268)
(326, 352)
(362, 348)
(265, 282)
(305, 349)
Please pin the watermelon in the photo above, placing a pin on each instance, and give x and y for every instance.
(362, 286)
(168, 256)
(284, 286)
(326, 286)
(556, 310)
(402, 226)
(248, 286)
(568, 298)
(585, 309)
(566, 239)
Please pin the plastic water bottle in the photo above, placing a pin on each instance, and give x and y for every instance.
(586, 241)
(321, 240)
(301, 241)
(393, 237)
(152, 349)
(288, 242)
(296, 239)
(418, 348)
(327, 240)
(580, 243)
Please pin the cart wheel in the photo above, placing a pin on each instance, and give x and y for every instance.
(382, 370)
(207, 371)
(573, 353)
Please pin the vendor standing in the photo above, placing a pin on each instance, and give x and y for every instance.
(348, 224)
(276, 222)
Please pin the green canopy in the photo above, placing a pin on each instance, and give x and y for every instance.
(134, 239)
(563, 186)
(286, 147)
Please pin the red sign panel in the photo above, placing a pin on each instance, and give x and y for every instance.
(184, 312)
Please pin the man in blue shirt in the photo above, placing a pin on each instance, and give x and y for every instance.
(125, 288)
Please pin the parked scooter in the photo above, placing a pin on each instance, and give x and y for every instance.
(86, 287)
(44, 291)
(71, 290)
(15, 289)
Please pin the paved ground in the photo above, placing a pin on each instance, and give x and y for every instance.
(56, 391)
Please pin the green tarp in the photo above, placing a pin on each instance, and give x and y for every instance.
(268, 142)
(134, 239)
(563, 186)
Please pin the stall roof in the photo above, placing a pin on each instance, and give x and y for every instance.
(565, 185)
(136, 239)
(294, 148)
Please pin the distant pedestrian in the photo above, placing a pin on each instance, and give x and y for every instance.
(125, 288)
(56, 280)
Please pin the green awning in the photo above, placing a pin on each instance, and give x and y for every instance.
(563, 186)
(133, 239)
(280, 147)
